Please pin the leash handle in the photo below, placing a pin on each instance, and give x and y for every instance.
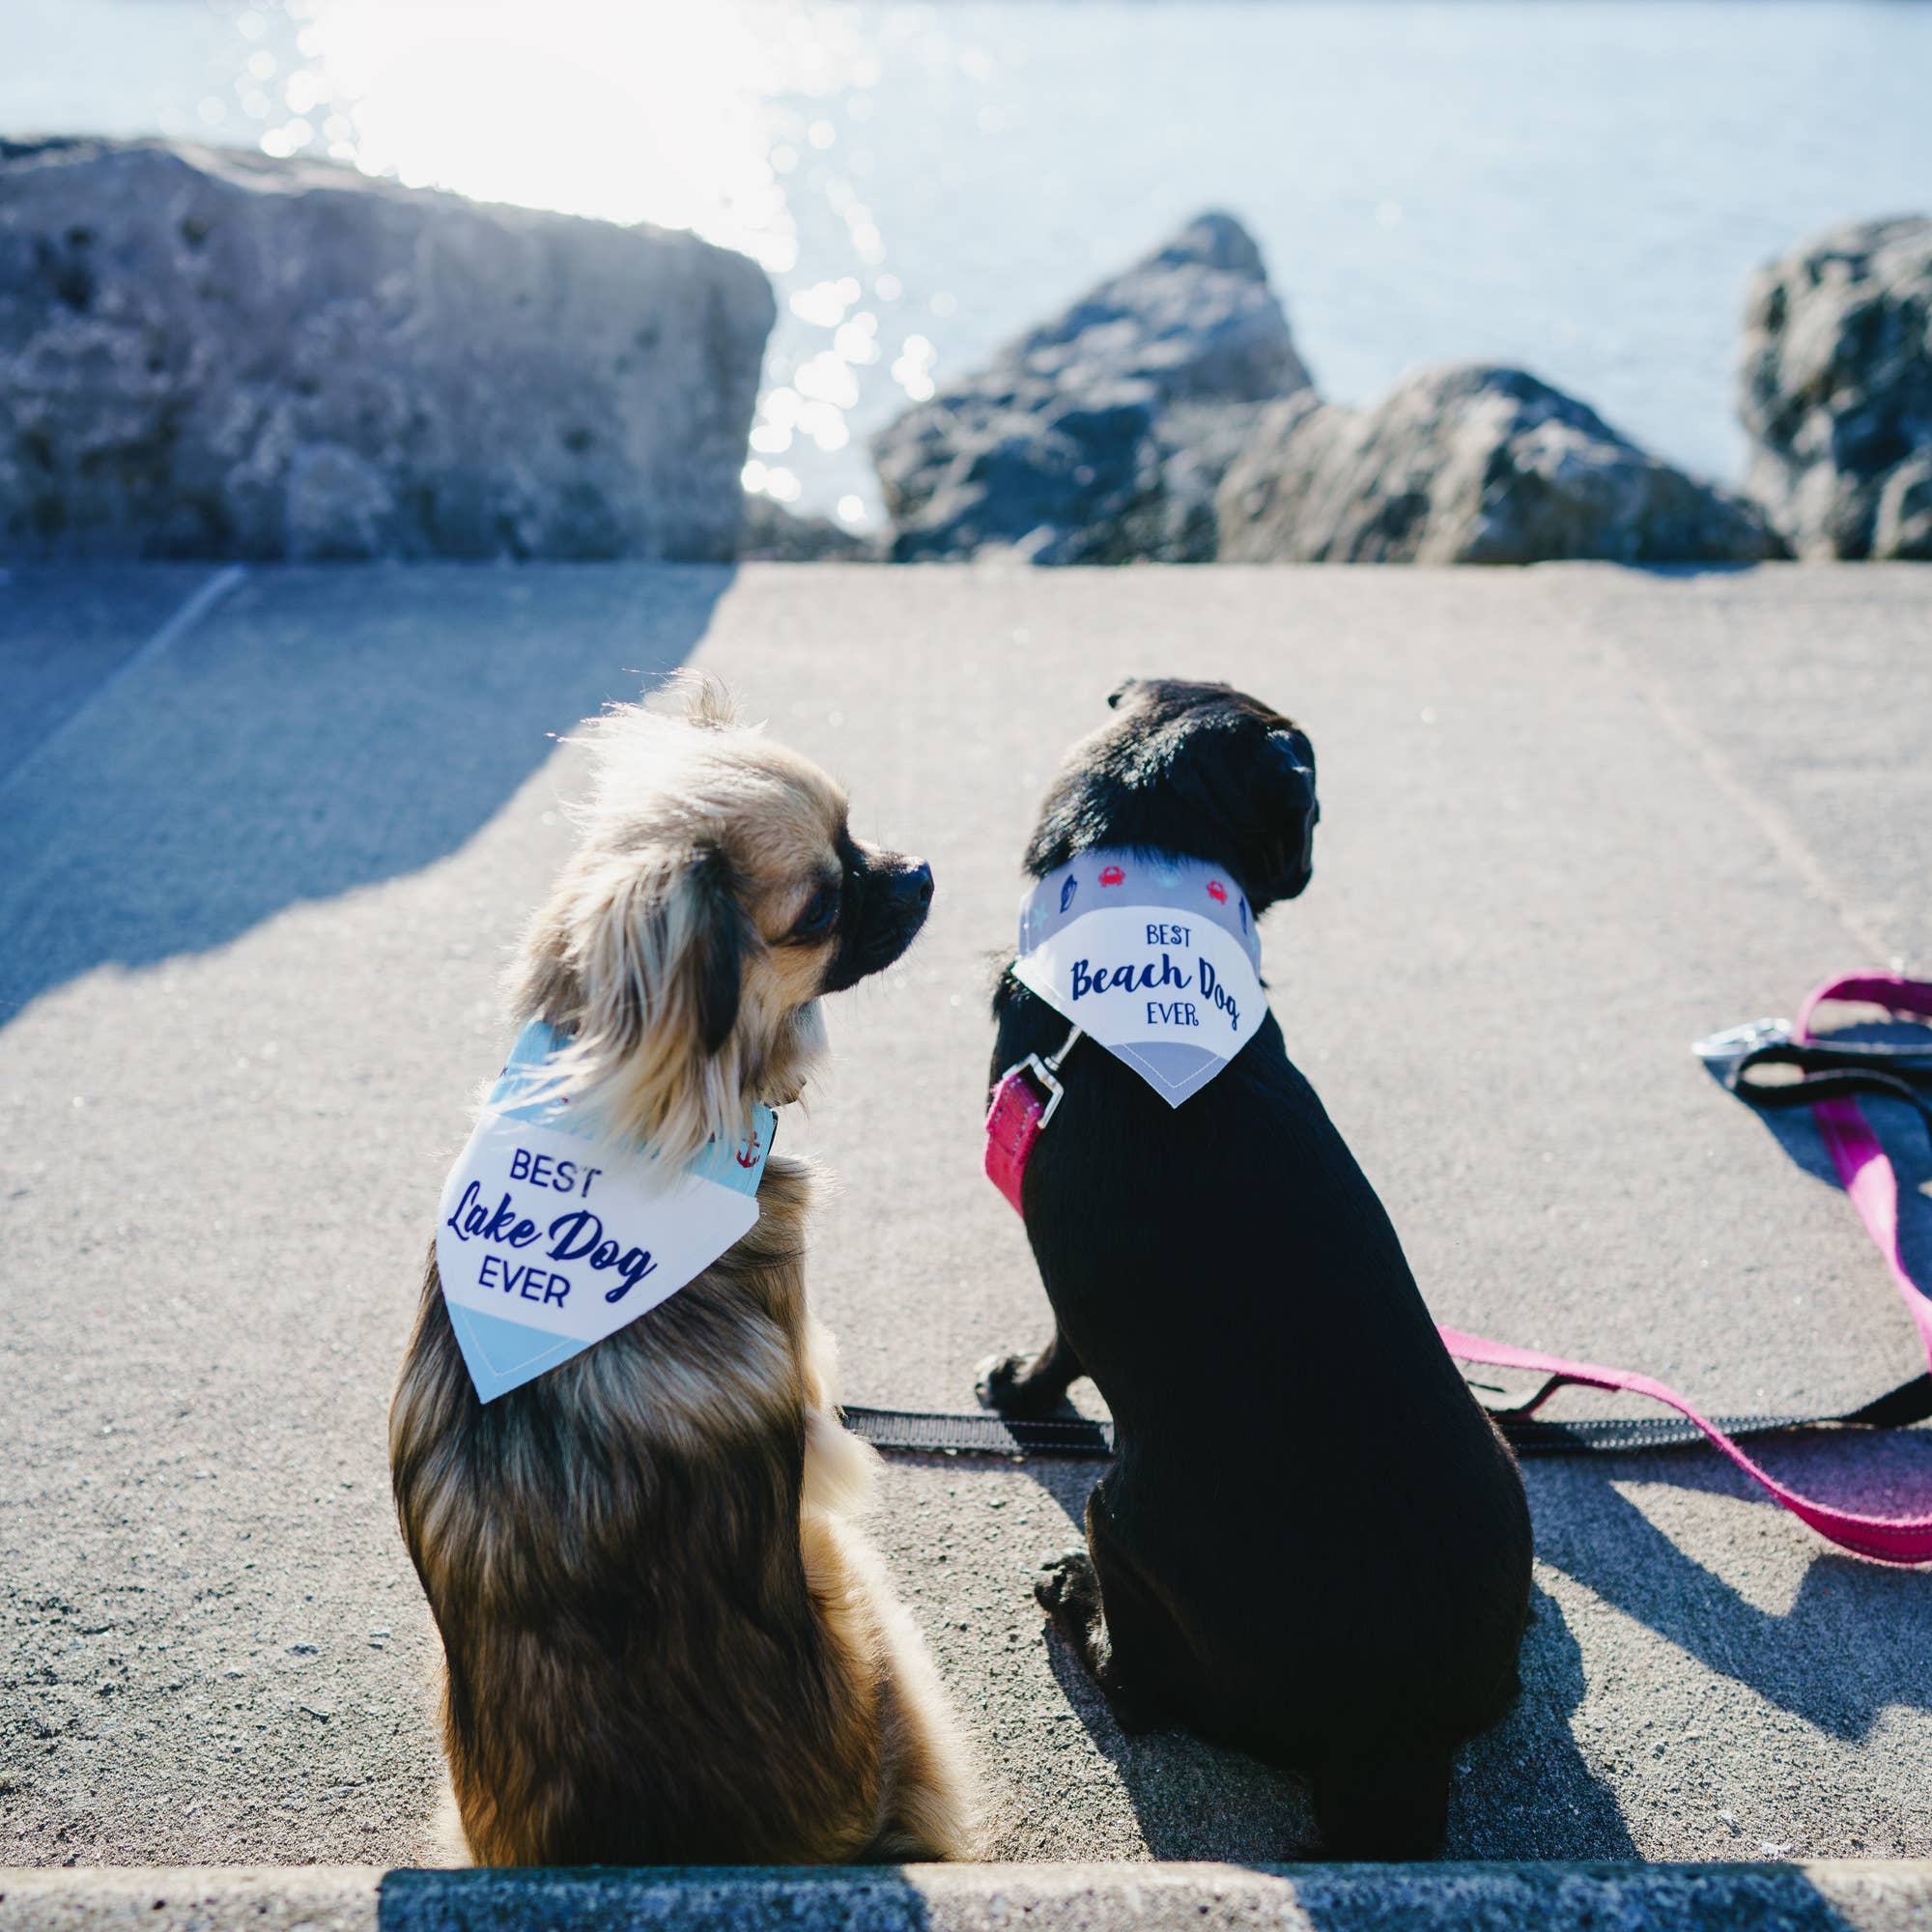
(1864, 1171)
(1866, 1175)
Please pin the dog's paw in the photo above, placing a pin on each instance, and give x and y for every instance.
(1006, 1383)
(994, 1381)
(1068, 1590)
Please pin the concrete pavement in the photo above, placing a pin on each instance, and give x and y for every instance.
(256, 885)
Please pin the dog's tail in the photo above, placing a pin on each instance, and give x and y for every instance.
(1385, 1797)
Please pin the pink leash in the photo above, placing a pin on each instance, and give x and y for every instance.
(1020, 1110)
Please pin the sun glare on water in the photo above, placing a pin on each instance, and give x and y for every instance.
(712, 115)
(651, 111)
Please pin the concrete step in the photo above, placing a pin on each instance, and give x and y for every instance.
(1844, 1896)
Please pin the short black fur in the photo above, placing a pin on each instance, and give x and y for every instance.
(1312, 1544)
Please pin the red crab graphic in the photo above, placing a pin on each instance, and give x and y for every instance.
(1218, 892)
(1113, 876)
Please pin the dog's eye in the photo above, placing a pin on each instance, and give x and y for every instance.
(819, 916)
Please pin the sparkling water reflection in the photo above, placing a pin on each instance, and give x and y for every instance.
(1580, 187)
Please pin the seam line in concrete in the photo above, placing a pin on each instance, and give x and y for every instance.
(193, 609)
(1784, 838)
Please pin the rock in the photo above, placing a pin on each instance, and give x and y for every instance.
(206, 354)
(771, 534)
(1100, 435)
(1471, 463)
(338, 505)
(1904, 525)
(1195, 320)
(1836, 391)
(1194, 444)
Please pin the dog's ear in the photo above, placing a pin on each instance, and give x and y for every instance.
(1263, 795)
(1289, 768)
(1293, 768)
(705, 948)
(1120, 691)
(666, 958)
(640, 959)
(720, 963)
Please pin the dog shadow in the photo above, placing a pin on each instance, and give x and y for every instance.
(1194, 1800)
(1851, 1645)
(320, 730)
(1525, 1789)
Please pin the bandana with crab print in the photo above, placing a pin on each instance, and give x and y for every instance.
(1154, 956)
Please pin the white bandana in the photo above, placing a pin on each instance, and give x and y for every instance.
(550, 1238)
(1155, 956)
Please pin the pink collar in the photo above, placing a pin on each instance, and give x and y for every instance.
(1026, 1099)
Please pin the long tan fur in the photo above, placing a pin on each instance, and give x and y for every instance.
(665, 1640)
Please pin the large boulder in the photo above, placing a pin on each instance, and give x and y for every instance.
(1836, 391)
(1100, 435)
(1469, 463)
(208, 354)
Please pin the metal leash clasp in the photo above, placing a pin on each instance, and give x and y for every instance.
(1047, 1071)
(1725, 1052)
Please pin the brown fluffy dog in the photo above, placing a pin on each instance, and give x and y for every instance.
(664, 1642)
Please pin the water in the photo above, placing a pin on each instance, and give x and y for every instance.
(1577, 186)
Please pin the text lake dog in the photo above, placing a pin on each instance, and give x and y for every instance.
(1281, 1398)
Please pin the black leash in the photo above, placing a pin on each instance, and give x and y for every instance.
(1075, 1438)
(1829, 1072)
(1833, 1073)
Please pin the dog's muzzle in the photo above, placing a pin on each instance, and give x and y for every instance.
(891, 895)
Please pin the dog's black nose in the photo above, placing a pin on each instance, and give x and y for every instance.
(908, 886)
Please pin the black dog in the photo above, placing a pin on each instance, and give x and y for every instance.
(1313, 1545)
